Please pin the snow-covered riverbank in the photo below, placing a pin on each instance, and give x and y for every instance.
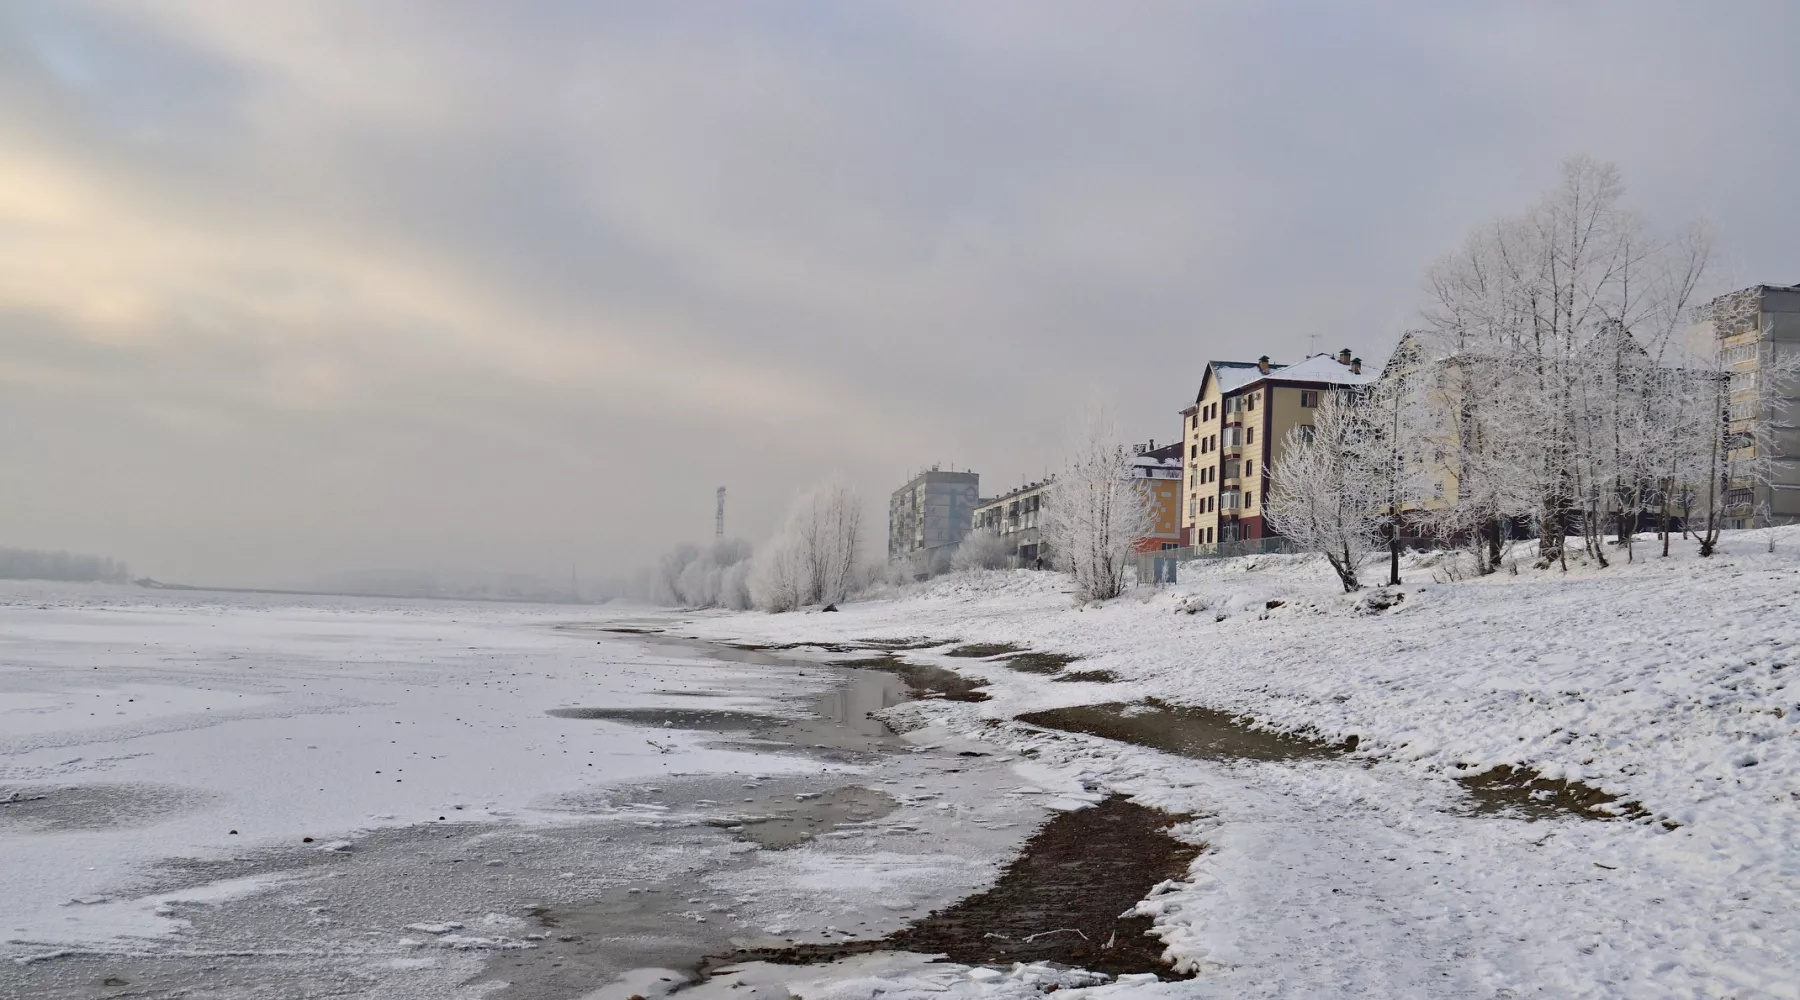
(137, 730)
(1665, 682)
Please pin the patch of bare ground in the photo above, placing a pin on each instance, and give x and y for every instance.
(1524, 793)
(1185, 730)
(1086, 677)
(984, 649)
(1040, 663)
(902, 645)
(1208, 734)
(1067, 898)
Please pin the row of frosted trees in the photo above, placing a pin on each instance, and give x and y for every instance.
(1571, 378)
(811, 560)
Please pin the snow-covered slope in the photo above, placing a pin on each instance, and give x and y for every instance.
(1666, 682)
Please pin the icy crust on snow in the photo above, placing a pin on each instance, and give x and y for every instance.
(1666, 681)
(139, 726)
(893, 976)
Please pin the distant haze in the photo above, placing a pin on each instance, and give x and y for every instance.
(292, 288)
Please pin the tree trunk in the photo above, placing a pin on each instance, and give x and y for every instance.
(1664, 516)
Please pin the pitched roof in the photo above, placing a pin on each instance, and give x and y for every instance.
(1234, 375)
(1231, 376)
(1324, 369)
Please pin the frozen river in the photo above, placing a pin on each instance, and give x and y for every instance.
(246, 795)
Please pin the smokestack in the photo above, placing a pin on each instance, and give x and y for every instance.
(1344, 356)
(1263, 364)
(1356, 366)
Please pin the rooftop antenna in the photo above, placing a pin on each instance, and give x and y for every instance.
(719, 518)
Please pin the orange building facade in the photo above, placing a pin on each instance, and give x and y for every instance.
(1161, 469)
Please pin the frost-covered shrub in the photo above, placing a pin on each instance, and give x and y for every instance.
(813, 558)
(981, 550)
(690, 576)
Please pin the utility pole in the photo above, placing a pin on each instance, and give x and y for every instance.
(719, 519)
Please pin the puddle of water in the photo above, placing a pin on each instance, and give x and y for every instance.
(827, 647)
(921, 680)
(793, 823)
(1524, 793)
(981, 649)
(669, 718)
(1185, 730)
(626, 928)
(1063, 900)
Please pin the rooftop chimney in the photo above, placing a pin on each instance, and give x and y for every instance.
(1356, 366)
(1262, 363)
(1344, 356)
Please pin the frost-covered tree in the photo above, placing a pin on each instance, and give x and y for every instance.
(983, 548)
(1094, 512)
(1325, 493)
(1548, 331)
(813, 558)
(691, 576)
(1399, 453)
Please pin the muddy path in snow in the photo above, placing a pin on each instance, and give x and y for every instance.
(1208, 734)
(1067, 898)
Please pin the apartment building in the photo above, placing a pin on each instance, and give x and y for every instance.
(930, 516)
(1160, 469)
(1014, 517)
(1756, 325)
(1233, 434)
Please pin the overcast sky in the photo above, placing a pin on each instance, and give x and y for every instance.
(296, 286)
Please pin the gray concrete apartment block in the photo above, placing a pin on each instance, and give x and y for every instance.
(931, 513)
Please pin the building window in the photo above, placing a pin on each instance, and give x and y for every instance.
(1249, 466)
(1209, 536)
(1250, 404)
(1306, 433)
(1250, 435)
(1194, 451)
(1309, 399)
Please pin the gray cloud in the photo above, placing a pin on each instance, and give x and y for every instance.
(292, 287)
